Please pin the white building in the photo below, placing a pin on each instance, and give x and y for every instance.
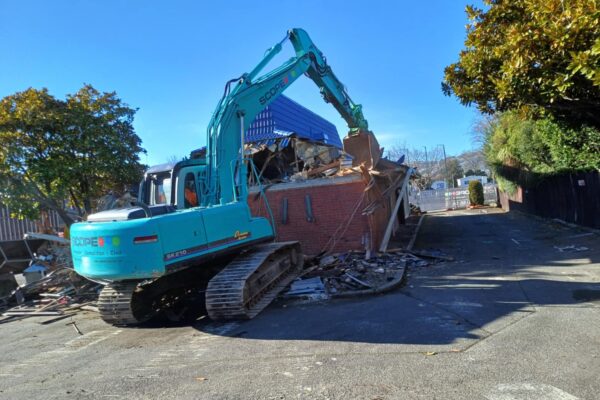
(438, 185)
(464, 181)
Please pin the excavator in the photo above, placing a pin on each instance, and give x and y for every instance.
(194, 213)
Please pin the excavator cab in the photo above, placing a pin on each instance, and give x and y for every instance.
(174, 184)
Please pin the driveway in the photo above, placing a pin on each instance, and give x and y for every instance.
(516, 316)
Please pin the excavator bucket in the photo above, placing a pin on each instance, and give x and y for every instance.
(364, 149)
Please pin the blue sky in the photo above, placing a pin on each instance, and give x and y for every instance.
(172, 59)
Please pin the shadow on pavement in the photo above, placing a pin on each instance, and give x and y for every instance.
(507, 266)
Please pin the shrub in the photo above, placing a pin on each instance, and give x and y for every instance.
(523, 149)
(476, 193)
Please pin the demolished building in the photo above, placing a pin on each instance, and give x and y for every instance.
(330, 197)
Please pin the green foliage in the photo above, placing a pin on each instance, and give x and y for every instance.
(572, 149)
(542, 56)
(505, 185)
(516, 146)
(475, 172)
(516, 142)
(476, 193)
(57, 153)
(455, 171)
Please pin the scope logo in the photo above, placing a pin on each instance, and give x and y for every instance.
(99, 241)
(274, 90)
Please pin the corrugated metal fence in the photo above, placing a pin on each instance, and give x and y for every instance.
(14, 228)
(446, 199)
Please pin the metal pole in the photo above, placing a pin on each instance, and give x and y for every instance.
(242, 170)
(426, 160)
(446, 165)
(242, 136)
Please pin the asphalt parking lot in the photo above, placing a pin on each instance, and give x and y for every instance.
(516, 316)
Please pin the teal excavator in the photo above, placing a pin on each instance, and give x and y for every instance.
(194, 213)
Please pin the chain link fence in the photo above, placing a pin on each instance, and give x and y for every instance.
(445, 199)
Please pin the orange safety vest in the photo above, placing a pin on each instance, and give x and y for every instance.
(191, 197)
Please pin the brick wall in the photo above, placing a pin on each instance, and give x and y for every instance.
(332, 206)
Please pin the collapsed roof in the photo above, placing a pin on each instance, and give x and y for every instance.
(284, 118)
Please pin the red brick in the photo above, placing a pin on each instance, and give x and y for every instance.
(332, 207)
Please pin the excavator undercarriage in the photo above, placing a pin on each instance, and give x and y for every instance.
(244, 287)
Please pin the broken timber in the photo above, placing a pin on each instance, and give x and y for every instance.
(401, 197)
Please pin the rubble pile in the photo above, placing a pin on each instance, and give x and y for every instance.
(50, 286)
(60, 293)
(55, 253)
(294, 159)
(354, 273)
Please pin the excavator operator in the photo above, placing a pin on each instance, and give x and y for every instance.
(191, 198)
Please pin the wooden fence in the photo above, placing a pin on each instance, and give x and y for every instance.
(572, 198)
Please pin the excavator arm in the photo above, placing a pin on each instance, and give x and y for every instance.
(251, 93)
(332, 90)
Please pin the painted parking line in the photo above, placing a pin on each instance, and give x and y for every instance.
(528, 391)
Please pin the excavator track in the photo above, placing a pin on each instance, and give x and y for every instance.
(252, 280)
(117, 304)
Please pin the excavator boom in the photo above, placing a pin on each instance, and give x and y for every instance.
(250, 95)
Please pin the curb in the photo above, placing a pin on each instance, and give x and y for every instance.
(556, 221)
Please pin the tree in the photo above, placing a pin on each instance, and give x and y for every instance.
(428, 161)
(476, 197)
(539, 56)
(475, 172)
(473, 160)
(58, 154)
(455, 171)
(519, 149)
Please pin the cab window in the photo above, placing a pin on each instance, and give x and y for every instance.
(190, 193)
(161, 190)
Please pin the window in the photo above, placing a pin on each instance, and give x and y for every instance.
(161, 190)
(190, 194)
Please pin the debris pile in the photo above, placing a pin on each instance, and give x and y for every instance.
(61, 293)
(294, 159)
(354, 273)
(51, 287)
(312, 288)
(56, 252)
